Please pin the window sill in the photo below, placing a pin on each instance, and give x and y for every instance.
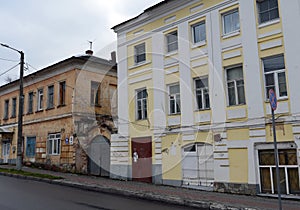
(201, 110)
(37, 111)
(175, 114)
(50, 108)
(136, 65)
(231, 34)
(199, 44)
(271, 22)
(236, 105)
(62, 105)
(5, 119)
(171, 53)
(139, 120)
(96, 105)
(278, 99)
(12, 117)
(29, 113)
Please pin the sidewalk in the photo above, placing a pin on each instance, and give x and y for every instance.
(174, 195)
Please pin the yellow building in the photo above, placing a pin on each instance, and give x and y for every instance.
(68, 110)
(193, 82)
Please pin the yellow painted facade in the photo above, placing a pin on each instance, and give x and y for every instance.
(238, 166)
(171, 162)
(237, 134)
(223, 133)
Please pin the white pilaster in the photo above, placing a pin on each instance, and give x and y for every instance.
(159, 88)
(216, 85)
(186, 89)
(251, 65)
(122, 87)
(290, 15)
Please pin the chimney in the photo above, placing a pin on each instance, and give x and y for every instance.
(89, 52)
(113, 57)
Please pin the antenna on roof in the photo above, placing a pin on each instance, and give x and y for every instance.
(91, 44)
(90, 51)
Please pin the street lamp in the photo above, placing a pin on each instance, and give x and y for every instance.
(21, 102)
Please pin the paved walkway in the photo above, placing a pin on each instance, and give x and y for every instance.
(174, 195)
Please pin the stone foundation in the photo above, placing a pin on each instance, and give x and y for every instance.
(236, 188)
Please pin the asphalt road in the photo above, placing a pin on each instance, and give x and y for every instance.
(22, 194)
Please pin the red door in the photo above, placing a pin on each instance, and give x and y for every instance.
(141, 149)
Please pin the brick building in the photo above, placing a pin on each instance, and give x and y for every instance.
(68, 112)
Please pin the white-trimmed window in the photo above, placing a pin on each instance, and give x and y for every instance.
(174, 99)
(231, 22)
(288, 170)
(202, 93)
(235, 86)
(172, 41)
(141, 104)
(50, 101)
(95, 93)
(53, 144)
(40, 99)
(139, 53)
(199, 32)
(267, 10)
(274, 70)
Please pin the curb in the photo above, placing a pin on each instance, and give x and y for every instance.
(205, 205)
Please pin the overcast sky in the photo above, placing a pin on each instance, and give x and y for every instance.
(49, 31)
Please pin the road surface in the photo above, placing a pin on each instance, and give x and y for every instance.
(20, 194)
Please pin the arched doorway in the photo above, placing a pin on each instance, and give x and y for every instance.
(99, 156)
(198, 165)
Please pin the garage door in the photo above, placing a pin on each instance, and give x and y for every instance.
(99, 156)
(198, 165)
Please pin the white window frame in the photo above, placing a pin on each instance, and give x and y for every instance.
(202, 93)
(231, 12)
(54, 144)
(144, 105)
(273, 167)
(276, 80)
(137, 55)
(202, 40)
(175, 98)
(40, 99)
(170, 43)
(259, 12)
(235, 86)
(95, 93)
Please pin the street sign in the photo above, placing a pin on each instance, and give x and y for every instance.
(273, 99)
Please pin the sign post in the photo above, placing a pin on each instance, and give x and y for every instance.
(273, 103)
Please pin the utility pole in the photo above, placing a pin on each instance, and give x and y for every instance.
(20, 119)
(21, 103)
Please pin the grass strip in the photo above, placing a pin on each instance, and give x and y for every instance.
(26, 173)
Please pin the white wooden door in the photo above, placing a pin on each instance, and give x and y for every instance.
(5, 152)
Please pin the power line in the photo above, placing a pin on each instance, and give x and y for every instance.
(5, 59)
(9, 70)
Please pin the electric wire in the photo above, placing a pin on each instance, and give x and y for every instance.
(9, 70)
(9, 60)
